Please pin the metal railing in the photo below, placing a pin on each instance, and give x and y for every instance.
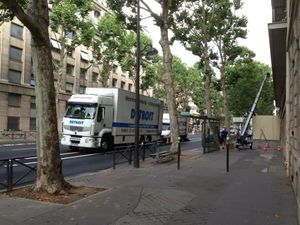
(17, 135)
(11, 180)
(14, 176)
(123, 154)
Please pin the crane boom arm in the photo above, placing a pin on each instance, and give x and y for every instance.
(253, 106)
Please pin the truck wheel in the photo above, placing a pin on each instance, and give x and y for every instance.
(148, 140)
(142, 140)
(105, 144)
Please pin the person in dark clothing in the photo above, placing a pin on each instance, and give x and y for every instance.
(223, 137)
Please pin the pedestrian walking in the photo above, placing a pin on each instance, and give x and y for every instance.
(223, 137)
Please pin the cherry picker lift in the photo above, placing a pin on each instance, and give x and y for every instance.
(245, 139)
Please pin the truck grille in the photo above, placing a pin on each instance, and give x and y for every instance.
(74, 128)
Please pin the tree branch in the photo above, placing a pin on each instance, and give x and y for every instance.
(18, 11)
(147, 8)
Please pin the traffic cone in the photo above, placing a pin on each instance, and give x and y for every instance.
(278, 148)
(266, 147)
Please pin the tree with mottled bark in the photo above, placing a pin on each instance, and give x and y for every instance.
(194, 26)
(34, 15)
(162, 19)
(229, 28)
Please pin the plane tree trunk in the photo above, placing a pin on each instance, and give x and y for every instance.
(49, 167)
(168, 76)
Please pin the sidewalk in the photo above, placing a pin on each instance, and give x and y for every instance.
(254, 192)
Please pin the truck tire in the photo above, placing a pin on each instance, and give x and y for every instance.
(106, 143)
(148, 139)
(142, 140)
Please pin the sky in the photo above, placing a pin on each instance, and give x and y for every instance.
(259, 14)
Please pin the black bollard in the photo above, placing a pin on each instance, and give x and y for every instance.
(227, 157)
(178, 154)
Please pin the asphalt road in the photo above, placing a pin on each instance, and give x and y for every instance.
(74, 163)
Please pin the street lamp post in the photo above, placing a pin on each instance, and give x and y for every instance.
(137, 91)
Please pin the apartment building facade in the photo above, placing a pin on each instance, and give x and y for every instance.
(17, 84)
(284, 34)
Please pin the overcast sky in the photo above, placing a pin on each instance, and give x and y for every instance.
(259, 14)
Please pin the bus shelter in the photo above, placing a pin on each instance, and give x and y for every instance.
(210, 131)
(210, 134)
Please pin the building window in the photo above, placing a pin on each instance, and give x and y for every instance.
(32, 102)
(82, 89)
(70, 52)
(15, 53)
(13, 123)
(16, 31)
(70, 34)
(95, 77)
(115, 68)
(129, 87)
(70, 70)
(14, 100)
(55, 45)
(69, 87)
(84, 56)
(123, 85)
(32, 80)
(32, 123)
(97, 14)
(114, 82)
(14, 76)
(82, 74)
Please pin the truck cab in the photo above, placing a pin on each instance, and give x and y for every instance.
(87, 120)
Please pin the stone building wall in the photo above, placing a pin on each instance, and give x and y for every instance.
(293, 97)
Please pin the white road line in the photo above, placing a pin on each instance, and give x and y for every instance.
(62, 154)
(16, 144)
(80, 156)
(66, 158)
(195, 140)
(22, 149)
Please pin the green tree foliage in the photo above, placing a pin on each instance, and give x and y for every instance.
(110, 45)
(187, 84)
(114, 44)
(229, 27)
(70, 19)
(72, 26)
(244, 80)
(195, 26)
(126, 11)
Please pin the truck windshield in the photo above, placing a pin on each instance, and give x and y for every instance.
(81, 111)
(166, 126)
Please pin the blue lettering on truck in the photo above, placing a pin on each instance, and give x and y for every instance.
(144, 115)
(76, 122)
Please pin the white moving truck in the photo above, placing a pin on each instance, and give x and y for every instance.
(103, 117)
(166, 128)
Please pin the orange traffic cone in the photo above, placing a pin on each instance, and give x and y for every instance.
(278, 148)
(266, 147)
